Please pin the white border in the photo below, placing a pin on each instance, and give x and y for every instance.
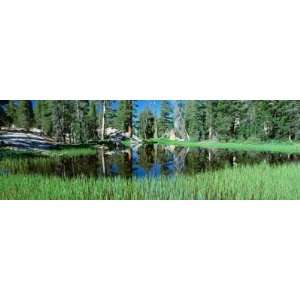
(138, 49)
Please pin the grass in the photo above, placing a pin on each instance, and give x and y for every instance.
(72, 150)
(127, 143)
(246, 182)
(63, 151)
(238, 146)
(12, 153)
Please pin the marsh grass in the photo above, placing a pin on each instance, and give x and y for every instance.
(12, 153)
(61, 151)
(245, 182)
(72, 150)
(24, 164)
(276, 147)
(127, 143)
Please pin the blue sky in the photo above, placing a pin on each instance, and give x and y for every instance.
(153, 105)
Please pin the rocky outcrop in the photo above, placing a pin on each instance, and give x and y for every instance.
(26, 140)
(117, 136)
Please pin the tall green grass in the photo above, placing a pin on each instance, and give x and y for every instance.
(63, 151)
(238, 146)
(245, 182)
(72, 150)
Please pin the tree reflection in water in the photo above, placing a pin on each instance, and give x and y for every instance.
(146, 160)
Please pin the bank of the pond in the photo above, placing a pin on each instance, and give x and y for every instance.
(237, 146)
(246, 182)
(72, 151)
(63, 151)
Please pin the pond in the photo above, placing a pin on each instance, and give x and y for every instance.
(148, 160)
(157, 160)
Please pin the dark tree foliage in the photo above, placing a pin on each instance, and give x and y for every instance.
(92, 120)
(11, 113)
(72, 121)
(3, 116)
(165, 122)
(124, 116)
(147, 124)
(195, 119)
(25, 116)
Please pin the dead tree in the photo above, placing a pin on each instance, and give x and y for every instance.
(179, 124)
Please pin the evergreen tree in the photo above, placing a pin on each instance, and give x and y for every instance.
(58, 115)
(46, 117)
(11, 113)
(25, 114)
(292, 125)
(124, 116)
(146, 122)
(38, 113)
(165, 121)
(80, 126)
(210, 111)
(110, 114)
(195, 119)
(92, 120)
(3, 116)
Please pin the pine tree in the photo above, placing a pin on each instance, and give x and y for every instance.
(11, 113)
(211, 111)
(146, 122)
(165, 121)
(110, 114)
(195, 119)
(80, 126)
(124, 116)
(92, 120)
(25, 114)
(46, 117)
(38, 113)
(58, 115)
(3, 116)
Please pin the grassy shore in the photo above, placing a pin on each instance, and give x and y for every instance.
(63, 151)
(237, 146)
(246, 182)
(72, 151)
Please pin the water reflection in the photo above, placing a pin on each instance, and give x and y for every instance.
(147, 160)
(155, 160)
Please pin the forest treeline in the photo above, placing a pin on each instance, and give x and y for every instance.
(81, 121)
(226, 120)
(68, 121)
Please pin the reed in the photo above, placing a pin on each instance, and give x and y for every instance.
(244, 182)
(276, 147)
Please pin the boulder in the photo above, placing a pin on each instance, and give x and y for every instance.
(26, 140)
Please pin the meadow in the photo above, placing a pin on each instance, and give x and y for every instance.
(276, 147)
(261, 182)
(258, 181)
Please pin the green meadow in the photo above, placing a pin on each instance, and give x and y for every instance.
(277, 147)
(260, 181)
(246, 182)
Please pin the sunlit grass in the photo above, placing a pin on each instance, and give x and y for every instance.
(72, 150)
(62, 151)
(127, 143)
(245, 182)
(238, 146)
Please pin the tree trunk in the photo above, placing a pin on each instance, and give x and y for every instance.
(210, 133)
(103, 120)
(155, 128)
(129, 131)
(79, 122)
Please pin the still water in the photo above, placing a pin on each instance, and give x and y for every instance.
(148, 160)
